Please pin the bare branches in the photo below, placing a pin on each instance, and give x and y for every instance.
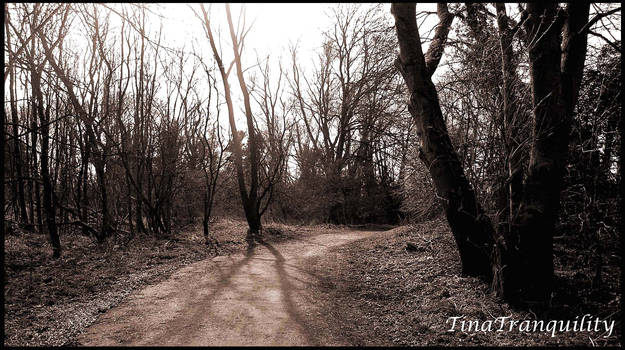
(586, 28)
(25, 42)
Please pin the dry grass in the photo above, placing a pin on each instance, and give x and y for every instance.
(374, 292)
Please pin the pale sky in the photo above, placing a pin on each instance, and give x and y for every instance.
(276, 25)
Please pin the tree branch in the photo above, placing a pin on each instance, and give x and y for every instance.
(437, 46)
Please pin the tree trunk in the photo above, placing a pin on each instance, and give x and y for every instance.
(37, 186)
(206, 218)
(2, 142)
(84, 196)
(525, 260)
(48, 204)
(106, 229)
(131, 227)
(139, 207)
(30, 174)
(17, 154)
(253, 219)
(472, 229)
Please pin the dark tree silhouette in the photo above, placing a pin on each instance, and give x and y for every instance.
(521, 259)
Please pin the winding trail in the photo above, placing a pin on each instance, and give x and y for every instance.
(246, 299)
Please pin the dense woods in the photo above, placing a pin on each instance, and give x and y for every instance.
(516, 252)
(503, 117)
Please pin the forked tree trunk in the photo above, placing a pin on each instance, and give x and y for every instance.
(251, 204)
(525, 260)
(471, 228)
(249, 199)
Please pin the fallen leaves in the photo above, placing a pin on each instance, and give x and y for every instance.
(384, 291)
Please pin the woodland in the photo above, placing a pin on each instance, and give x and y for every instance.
(501, 121)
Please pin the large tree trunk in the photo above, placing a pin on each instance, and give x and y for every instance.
(253, 219)
(525, 276)
(472, 229)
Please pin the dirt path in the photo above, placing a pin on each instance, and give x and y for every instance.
(246, 299)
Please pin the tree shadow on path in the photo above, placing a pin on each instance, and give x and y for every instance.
(287, 295)
(183, 322)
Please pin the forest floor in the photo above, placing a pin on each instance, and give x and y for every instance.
(377, 293)
(302, 286)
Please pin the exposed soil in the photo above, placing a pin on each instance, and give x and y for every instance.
(257, 298)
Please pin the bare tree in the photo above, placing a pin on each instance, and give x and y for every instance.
(251, 199)
(205, 146)
(347, 108)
